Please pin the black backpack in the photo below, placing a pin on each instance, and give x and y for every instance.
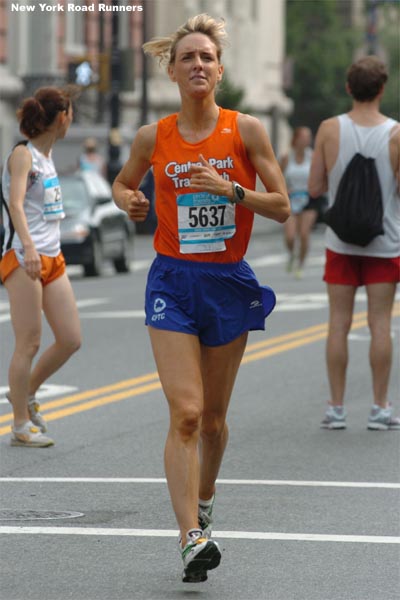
(356, 215)
(2, 203)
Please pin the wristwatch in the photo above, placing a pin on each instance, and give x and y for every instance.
(238, 193)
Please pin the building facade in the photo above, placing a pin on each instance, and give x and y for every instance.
(45, 43)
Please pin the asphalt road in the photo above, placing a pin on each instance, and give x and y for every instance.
(301, 513)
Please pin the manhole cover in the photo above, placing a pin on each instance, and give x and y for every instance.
(36, 515)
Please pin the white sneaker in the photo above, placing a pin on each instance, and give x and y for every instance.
(30, 436)
(335, 418)
(33, 409)
(381, 419)
(36, 417)
(199, 556)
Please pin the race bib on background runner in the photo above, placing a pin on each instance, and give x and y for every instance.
(205, 221)
(53, 206)
(298, 200)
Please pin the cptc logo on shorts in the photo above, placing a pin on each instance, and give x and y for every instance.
(159, 306)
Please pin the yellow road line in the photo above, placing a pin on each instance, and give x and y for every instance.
(313, 334)
(144, 389)
(72, 410)
(92, 393)
(147, 383)
(297, 334)
(284, 347)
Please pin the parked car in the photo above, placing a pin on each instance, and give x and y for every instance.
(94, 228)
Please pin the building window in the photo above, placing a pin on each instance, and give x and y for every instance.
(75, 32)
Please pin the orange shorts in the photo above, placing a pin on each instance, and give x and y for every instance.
(52, 266)
(348, 269)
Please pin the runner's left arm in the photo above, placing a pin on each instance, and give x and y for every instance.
(274, 203)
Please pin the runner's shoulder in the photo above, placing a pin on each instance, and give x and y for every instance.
(328, 127)
(145, 139)
(20, 159)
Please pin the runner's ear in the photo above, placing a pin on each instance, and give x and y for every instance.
(171, 73)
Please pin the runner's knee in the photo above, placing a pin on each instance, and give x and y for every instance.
(70, 344)
(212, 427)
(29, 346)
(74, 344)
(186, 422)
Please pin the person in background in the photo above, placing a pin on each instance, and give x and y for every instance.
(90, 159)
(32, 267)
(296, 168)
(376, 266)
(202, 298)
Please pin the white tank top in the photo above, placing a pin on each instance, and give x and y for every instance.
(296, 175)
(372, 142)
(42, 206)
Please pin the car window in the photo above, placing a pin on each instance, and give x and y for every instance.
(74, 194)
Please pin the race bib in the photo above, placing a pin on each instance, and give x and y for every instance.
(53, 206)
(298, 200)
(205, 221)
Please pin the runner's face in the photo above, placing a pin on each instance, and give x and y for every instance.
(196, 69)
(303, 138)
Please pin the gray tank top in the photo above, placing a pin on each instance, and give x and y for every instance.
(372, 142)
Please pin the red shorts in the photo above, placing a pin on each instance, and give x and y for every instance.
(52, 266)
(348, 269)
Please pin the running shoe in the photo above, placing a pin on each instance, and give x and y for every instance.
(206, 517)
(299, 273)
(29, 436)
(335, 418)
(199, 556)
(34, 412)
(381, 419)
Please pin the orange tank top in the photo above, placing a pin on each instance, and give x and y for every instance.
(192, 224)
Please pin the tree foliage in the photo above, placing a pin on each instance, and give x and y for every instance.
(321, 46)
(229, 95)
(389, 40)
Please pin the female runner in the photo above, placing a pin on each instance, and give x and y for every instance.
(202, 298)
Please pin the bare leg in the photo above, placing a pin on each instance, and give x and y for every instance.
(219, 367)
(380, 304)
(178, 359)
(306, 221)
(341, 304)
(290, 237)
(25, 305)
(62, 315)
(195, 378)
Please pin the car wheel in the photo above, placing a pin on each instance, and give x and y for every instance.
(95, 267)
(122, 263)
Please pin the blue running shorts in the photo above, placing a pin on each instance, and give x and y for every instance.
(215, 301)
